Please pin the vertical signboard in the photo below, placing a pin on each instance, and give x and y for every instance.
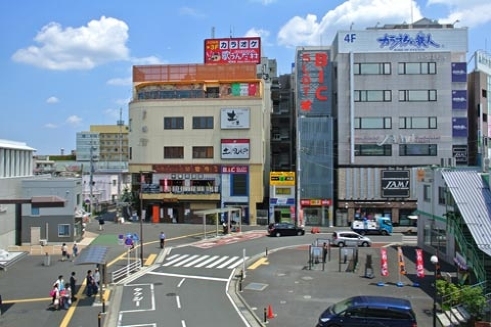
(459, 99)
(459, 72)
(459, 127)
(314, 82)
(459, 152)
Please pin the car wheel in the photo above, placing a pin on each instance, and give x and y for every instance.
(365, 244)
(300, 233)
(384, 232)
(278, 234)
(362, 232)
(341, 244)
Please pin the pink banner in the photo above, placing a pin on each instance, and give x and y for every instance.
(402, 265)
(420, 270)
(384, 271)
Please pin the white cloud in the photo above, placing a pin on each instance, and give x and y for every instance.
(51, 126)
(264, 2)
(126, 81)
(52, 100)
(309, 30)
(123, 102)
(74, 120)
(150, 60)
(469, 13)
(80, 48)
(263, 34)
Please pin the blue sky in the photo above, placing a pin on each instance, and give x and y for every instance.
(66, 65)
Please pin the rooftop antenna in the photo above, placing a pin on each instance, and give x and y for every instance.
(351, 26)
(213, 32)
(231, 32)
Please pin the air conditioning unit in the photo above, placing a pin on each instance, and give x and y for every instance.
(43, 242)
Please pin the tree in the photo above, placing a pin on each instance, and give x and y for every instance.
(471, 297)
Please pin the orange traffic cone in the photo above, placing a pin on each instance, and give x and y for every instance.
(271, 315)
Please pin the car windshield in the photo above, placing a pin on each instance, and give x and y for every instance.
(341, 306)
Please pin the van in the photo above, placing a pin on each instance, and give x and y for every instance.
(368, 310)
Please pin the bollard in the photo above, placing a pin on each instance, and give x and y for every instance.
(265, 315)
(266, 252)
(99, 318)
(103, 305)
(240, 285)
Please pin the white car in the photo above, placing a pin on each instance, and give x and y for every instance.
(348, 238)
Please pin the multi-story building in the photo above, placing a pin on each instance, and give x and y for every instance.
(479, 88)
(397, 94)
(315, 136)
(198, 139)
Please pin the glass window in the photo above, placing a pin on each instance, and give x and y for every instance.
(174, 123)
(416, 68)
(202, 152)
(417, 122)
(173, 152)
(379, 68)
(372, 96)
(373, 123)
(373, 150)
(418, 149)
(34, 211)
(427, 193)
(63, 230)
(239, 185)
(417, 95)
(202, 122)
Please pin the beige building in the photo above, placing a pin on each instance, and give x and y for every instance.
(198, 140)
(113, 142)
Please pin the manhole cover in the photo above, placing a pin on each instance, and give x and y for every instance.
(256, 286)
(171, 294)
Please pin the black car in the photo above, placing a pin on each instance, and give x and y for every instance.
(285, 229)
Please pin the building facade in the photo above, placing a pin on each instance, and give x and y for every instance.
(400, 94)
(197, 139)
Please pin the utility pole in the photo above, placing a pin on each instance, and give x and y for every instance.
(120, 174)
(91, 180)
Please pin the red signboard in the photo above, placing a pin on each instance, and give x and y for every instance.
(315, 202)
(233, 50)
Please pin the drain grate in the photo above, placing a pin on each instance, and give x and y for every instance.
(256, 286)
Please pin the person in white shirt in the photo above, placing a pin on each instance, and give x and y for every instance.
(97, 277)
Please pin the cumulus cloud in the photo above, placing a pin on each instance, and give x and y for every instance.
(81, 48)
(263, 2)
(74, 120)
(52, 100)
(262, 33)
(310, 30)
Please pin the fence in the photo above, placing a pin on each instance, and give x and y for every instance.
(126, 271)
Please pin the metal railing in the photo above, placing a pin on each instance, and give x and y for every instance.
(126, 271)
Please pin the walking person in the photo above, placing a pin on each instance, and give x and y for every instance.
(55, 297)
(75, 250)
(162, 240)
(73, 285)
(89, 280)
(324, 252)
(64, 252)
(101, 223)
(97, 277)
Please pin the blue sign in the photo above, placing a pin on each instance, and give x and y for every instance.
(459, 72)
(459, 127)
(459, 99)
(405, 41)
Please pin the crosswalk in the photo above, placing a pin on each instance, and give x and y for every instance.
(203, 261)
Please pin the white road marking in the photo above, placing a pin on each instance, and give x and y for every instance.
(189, 276)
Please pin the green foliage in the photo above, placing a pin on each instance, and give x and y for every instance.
(471, 297)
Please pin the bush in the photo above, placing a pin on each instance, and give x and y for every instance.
(471, 297)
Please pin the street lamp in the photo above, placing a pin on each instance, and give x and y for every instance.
(434, 261)
(141, 218)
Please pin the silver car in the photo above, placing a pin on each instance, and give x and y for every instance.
(348, 238)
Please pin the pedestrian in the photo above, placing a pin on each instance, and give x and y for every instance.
(101, 223)
(324, 252)
(75, 250)
(60, 282)
(89, 280)
(73, 285)
(162, 240)
(55, 297)
(64, 252)
(66, 297)
(97, 277)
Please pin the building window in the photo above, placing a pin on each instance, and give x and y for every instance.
(34, 211)
(239, 185)
(377, 68)
(202, 122)
(373, 96)
(367, 150)
(418, 149)
(373, 123)
(417, 68)
(427, 193)
(484, 93)
(441, 195)
(173, 152)
(63, 230)
(417, 122)
(202, 152)
(174, 123)
(417, 95)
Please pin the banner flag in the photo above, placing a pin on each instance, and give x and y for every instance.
(384, 271)
(420, 270)
(402, 265)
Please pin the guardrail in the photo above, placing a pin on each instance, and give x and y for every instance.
(126, 270)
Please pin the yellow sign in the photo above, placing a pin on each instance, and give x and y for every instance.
(282, 178)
